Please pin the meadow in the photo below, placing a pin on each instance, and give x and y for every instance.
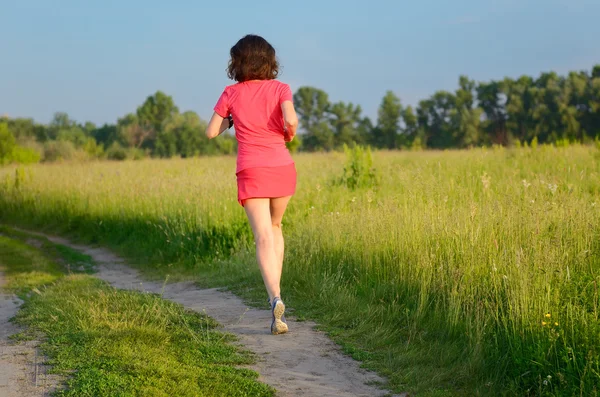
(469, 272)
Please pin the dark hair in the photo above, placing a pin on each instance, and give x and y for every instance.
(252, 58)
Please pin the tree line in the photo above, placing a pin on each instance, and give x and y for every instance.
(547, 109)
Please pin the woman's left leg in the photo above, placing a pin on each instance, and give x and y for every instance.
(259, 214)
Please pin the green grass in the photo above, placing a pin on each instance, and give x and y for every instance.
(109, 342)
(440, 278)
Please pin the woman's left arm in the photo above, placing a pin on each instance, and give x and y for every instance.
(216, 126)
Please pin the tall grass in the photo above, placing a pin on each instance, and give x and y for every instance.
(462, 272)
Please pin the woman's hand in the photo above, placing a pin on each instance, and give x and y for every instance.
(290, 120)
(287, 136)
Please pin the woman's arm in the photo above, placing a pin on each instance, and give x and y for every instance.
(216, 126)
(290, 120)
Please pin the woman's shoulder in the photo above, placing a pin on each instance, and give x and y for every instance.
(280, 83)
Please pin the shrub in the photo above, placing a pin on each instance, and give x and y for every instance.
(59, 150)
(534, 143)
(116, 152)
(23, 155)
(7, 143)
(416, 144)
(358, 171)
(92, 148)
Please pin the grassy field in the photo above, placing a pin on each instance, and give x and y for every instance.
(460, 273)
(108, 342)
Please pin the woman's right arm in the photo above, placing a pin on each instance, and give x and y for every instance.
(290, 120)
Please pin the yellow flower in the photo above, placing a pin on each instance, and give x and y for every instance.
(548, 315)
(556, 324)
(543, 323)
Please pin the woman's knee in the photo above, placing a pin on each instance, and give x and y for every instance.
(264, 238)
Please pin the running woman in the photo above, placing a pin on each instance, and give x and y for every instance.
(262, 110)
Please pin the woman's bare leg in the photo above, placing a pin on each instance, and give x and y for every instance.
(278, 207)
(265, 217)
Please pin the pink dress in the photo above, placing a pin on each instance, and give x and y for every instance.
(265, 168)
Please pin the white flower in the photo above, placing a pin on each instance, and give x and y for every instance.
(552, 188)
(526, 184)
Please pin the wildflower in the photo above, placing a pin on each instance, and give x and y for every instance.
(556, 324)
(353, 199)
(594, 204)
(548, 315)
(543, 323)
(552, 188)
(526, 184)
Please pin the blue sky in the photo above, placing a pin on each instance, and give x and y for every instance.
(98, 60)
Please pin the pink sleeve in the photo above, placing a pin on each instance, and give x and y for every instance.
(222, 106)
(286, 94)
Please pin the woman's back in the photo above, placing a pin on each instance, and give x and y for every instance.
(256, 109)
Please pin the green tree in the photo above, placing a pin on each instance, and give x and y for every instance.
(519, 108)
(466, 116)
(132, 133)
(186, 132)
(593, 99)
(491, 99)
(312, 106)
(437, 119)
(106, 135)
(411, 125)
(151, 116)
(386, 134)
(345, 123)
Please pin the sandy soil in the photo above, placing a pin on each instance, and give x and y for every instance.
(22, 369)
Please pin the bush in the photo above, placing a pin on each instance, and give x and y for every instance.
(416, 144)
(59, 150)
(23, 155)
(359, 171)
(7, 143)
(534, 143)
(116, 152)
(92, 148)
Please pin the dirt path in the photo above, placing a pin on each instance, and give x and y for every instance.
(22, 369)
(303, 362)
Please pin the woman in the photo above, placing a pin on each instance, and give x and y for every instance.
(263, 112)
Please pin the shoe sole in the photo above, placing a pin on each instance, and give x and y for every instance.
(279, 327)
